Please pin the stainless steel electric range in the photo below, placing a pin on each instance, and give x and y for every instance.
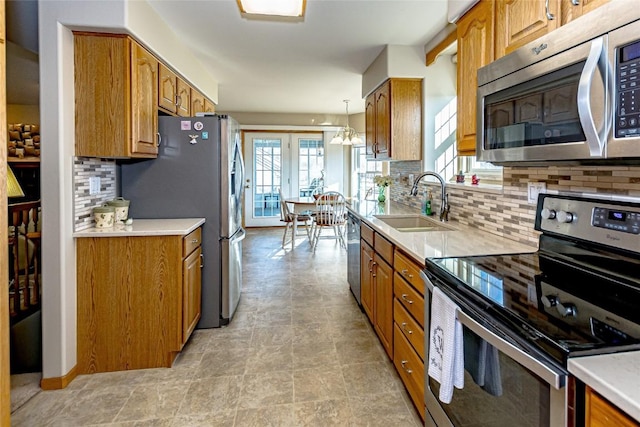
(524, 315)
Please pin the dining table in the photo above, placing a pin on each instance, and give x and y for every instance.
(300, 205)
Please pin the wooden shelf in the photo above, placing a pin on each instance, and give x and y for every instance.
(25, 159)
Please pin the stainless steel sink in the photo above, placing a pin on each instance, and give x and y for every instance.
(413, 223)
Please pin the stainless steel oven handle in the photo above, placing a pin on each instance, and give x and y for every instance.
(549, 375)
(594, 140)
(554, 379)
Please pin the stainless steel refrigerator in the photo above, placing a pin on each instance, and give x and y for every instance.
(199, 172)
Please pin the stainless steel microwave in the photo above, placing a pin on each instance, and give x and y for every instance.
(572, 95)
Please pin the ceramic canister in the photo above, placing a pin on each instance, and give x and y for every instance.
(104, 216)
(122, 208)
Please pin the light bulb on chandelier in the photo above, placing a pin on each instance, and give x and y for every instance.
(347, 135)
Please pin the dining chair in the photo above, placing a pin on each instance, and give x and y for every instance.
(288, 218)
(330, 214)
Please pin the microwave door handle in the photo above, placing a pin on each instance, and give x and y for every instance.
(594, 140)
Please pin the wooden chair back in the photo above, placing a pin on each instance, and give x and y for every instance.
(25, 264)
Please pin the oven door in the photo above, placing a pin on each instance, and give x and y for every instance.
(554, 109)
(520, 391)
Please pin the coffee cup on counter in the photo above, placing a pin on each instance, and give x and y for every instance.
(122, 208)
(104, 216)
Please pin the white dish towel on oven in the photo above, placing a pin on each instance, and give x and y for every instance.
(446, 349)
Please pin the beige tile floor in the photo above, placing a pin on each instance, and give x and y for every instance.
(299, 352)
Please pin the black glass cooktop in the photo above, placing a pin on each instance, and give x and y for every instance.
(551, 301)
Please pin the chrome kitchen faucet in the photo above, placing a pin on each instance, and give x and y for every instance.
(444, 202)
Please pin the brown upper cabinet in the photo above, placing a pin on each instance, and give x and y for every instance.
(475, 50)
(393, 116)
(572, 9)
(174, 94)
(116, 86)
(197, 102)
(519, 22)
(209, 107)
(200, 104)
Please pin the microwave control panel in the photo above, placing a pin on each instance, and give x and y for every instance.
(627, 113)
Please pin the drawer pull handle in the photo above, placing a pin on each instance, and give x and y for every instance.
(404, 327)
(405, 272)
(407, 370)
(194, 241)
(406, 298)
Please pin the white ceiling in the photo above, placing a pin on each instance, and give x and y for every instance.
(272, 66)
(298, 67)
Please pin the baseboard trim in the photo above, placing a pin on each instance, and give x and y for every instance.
(58, 383)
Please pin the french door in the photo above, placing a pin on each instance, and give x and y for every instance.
(274, 161)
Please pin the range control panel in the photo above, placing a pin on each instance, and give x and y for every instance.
(607, 222)
(616, 219)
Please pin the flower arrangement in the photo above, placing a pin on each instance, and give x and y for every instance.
(382, 180)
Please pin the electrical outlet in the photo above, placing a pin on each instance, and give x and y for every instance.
(535, 188)
(94, 185)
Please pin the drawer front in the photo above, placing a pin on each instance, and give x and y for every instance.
(366, 233)
(412, 331)
(409, 298)
(191, 241)
(384, 248)
(410, 368)
(409, 270)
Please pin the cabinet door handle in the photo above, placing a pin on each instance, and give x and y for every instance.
(550, 16)
(407, 370)
(194, 241)
(159, 139)
(201, 260)
(404, 327)
(405, 297)
(405, 272)
(575, 2)
(178, 100)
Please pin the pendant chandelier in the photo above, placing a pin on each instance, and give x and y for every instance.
(347, 135)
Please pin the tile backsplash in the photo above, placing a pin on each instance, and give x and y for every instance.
(506, 212)
(83, 169)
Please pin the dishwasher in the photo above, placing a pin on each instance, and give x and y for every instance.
(353, 254)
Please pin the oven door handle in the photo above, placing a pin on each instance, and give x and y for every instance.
(596, 60)
(554, 377)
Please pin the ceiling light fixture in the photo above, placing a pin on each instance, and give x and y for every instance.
(347, 135)
(292, 8)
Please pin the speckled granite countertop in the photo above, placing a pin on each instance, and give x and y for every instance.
(146, 227)
(461, 240)
(615, 376)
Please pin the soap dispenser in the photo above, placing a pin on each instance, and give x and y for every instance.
(427, 203)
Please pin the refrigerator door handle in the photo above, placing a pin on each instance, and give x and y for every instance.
(239, 235)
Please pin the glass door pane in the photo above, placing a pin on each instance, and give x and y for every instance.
(310, 164)
(264, 173)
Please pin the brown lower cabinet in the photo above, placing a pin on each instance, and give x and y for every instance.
(376, 286)
(410, 367)
(392, 295)
(601, 413)
(138, 300)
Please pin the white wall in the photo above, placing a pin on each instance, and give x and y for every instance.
(393, 61)
(439, 87)
(56, 19)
